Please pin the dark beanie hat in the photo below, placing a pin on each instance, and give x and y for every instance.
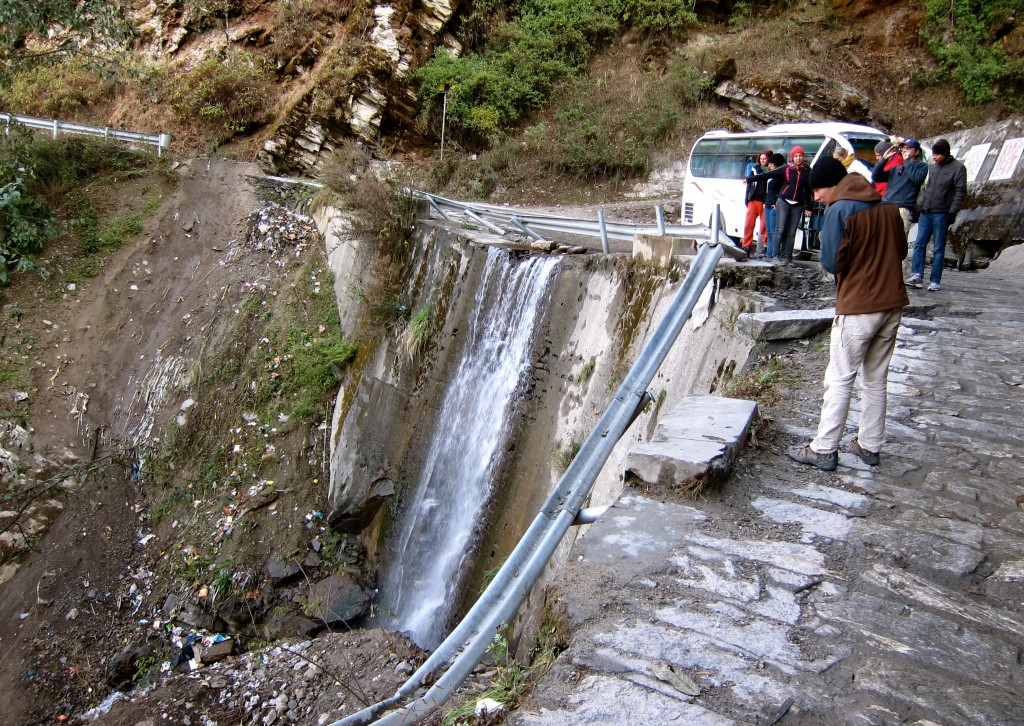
(828, 172)
(777, 159)
(941, 147)
(882, 146)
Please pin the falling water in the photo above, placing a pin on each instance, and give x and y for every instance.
(419, 585)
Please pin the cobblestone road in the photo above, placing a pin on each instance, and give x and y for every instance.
(863, 596)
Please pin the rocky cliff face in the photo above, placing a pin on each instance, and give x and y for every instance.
(375, 98)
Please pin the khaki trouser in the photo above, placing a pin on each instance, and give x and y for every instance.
(861, 344)
(908, 221)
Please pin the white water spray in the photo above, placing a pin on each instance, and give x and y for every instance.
(425, 565)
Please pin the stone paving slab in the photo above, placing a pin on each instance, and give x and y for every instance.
(698, 439)
(868, 595)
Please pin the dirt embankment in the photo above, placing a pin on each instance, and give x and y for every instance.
(157, 396)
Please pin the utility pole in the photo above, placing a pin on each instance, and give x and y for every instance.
(444, 115)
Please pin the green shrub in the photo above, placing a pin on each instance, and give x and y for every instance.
(234, 91)
(38, 176)
(489, 91)
(958, 35)
(655, 16)
(603, 132)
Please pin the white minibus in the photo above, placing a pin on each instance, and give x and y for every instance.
(714, 171)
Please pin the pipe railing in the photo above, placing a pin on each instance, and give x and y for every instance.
(463, 649)
(160, 141)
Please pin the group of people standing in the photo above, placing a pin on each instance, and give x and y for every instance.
(779, 195)
(902, 172)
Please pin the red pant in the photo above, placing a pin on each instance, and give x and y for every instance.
(755, 210)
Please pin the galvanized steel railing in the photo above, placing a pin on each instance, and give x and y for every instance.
(468, 642)
(160, 141)
(503, 220)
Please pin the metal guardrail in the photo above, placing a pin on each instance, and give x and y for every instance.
(160, 141)
(503, 220)
(468, 642)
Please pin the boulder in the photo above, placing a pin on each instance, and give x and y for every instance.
(337, 599)
(280, 570)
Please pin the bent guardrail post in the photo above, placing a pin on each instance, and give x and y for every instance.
(526, 230)
(468, 642)
(604, 230)
(480, 220)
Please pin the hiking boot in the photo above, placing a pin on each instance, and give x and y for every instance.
(806, 455)
(914, 281)
(871, 458)
(932, 287)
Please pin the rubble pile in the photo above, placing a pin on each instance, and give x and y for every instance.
(275, 228)
(305, 682)
(31, 487)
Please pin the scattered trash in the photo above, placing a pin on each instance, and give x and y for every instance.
(680, 681)
(487, 706)
(145, 540)
(273, 228)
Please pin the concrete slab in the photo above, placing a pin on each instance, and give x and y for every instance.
(785, 324)
(695, 443)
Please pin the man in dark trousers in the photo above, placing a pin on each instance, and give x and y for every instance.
(863, 245)
(944, 194)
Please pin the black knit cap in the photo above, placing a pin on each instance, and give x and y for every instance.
(941, 147)
(828, 172)
(777, 159)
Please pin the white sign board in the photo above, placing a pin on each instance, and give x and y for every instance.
(973, 160)
(1006, 163)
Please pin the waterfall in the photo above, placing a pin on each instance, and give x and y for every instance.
(420, 582)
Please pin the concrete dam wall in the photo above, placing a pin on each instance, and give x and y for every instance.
(400, 455)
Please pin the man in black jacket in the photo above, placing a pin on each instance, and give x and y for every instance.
(944, 195)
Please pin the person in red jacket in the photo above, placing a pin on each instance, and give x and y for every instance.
(755, 203)
(881, 176)
(863, 245)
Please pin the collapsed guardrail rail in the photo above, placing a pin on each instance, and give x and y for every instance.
(160, 141)
(504, 220)
(468, 642)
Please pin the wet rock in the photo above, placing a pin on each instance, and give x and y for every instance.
(338, 598)
(280, 570)
(288, 625)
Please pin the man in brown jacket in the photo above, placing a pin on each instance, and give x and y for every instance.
(863, 245)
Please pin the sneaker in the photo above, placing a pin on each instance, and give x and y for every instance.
(914, 281)
(871, 458)
(806, 455)
(932, 287)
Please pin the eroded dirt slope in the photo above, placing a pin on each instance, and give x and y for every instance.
(135, 393)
